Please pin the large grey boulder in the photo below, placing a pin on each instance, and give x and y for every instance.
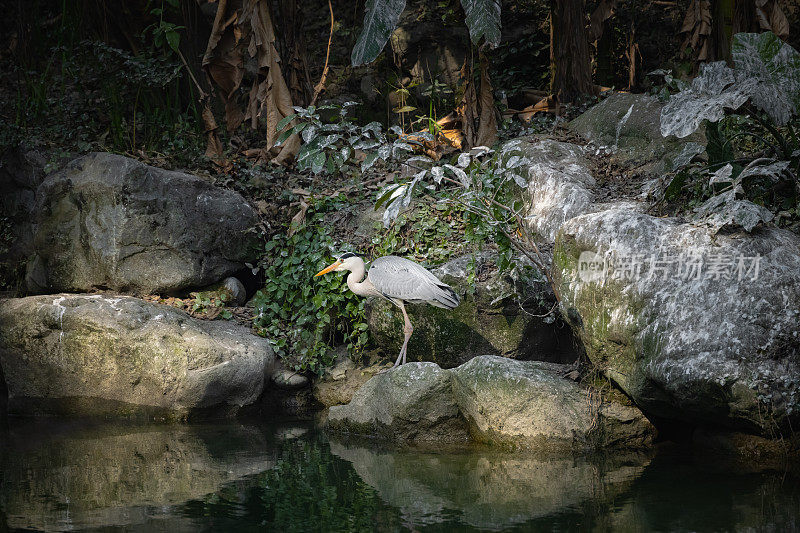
(524, 404)
(528, 404)
(411, 403)
(703, 337)
(501, 314)
(119, 356)
(107, 221)
(560, 184)
(692, 326)
(629, 125)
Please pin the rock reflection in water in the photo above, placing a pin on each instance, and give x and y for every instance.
(290, 478)
(491, 490)
(77, 477)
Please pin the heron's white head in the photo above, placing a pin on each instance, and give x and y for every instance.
(348, 261)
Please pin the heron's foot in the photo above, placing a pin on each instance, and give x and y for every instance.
(395, 365)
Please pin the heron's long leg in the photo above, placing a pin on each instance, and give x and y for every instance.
(408, 329)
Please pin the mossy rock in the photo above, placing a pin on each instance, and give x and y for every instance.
(121, 357)
(709, 350)
(412, 403)
(489, 320)
(528, 404)
(492, 400)
(106, 221)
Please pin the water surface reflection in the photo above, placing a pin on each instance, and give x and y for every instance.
(294, 478)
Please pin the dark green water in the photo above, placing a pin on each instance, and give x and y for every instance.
(241, 477)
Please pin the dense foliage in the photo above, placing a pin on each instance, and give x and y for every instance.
(304, 316)
(751, 113)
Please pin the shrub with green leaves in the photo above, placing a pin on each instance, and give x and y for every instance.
(303, 316)
(751, 114)
(483, 184)
(340, 147)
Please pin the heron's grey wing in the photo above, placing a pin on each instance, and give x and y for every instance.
(399, 278)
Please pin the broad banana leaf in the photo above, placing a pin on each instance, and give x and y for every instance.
(483, 21)
(773, 69)
(380, 19)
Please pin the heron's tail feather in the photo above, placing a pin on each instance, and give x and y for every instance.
(448, 297)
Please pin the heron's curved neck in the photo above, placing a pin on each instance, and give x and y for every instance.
(355, 283)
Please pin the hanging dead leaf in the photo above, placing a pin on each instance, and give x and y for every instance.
(772, 18)
(213, 144)
(697, 27)
(243, 31)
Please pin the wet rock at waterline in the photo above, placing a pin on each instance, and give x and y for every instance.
(340, 382)
(692, 326)
(412, 403)
(529, 404)
(496, 400)
(107, 221)
(496, 316)
(76, 478)
(119, 356)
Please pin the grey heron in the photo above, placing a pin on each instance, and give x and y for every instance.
(398, 280)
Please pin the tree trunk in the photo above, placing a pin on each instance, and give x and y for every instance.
(722, 28)
(570, 67)
(605, 59)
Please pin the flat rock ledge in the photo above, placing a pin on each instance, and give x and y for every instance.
(492, 400)
(117, 356)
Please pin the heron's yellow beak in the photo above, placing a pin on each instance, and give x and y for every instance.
(328, 268)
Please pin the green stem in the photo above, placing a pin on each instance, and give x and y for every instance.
(775, 133)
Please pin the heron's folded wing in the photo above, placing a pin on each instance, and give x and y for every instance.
(396, 277)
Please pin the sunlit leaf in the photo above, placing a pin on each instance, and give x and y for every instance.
(483, 21)
(773, 69)
(380, 20)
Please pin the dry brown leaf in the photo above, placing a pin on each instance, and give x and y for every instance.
(263, 207)
(213, 144)
(545, 105)
(298, 219)
(453, 137)
(697, 27)
(771, 18)
(242, 31)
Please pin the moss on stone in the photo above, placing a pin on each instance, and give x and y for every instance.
(610, 344)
